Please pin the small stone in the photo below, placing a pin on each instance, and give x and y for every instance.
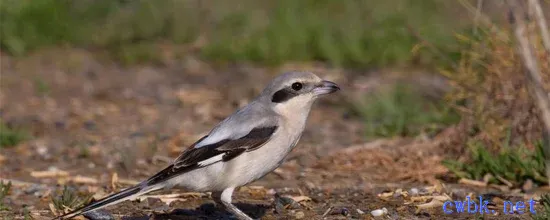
(41, 149)
(310, 185)
(60, 125)
(344, 212)
(414, 192)
(32, 189)
(360, 212)
(379, 212)
(299, 215)
(163, 208)
(90, 125)
(100, 214)
(527, 186)
(286, 202)
(271, 192)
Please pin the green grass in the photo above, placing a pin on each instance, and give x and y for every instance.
(41, 88)
(11, 137)
(365, 33)
(514, 164)
(69, 200)
(4, 189)
(403, 111)
(545, 214)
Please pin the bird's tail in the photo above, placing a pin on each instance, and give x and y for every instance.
(127, 194)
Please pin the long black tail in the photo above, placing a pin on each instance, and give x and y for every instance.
(123, 195)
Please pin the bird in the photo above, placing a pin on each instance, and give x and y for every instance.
(240, 149)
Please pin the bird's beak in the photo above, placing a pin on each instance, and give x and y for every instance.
(325, 87)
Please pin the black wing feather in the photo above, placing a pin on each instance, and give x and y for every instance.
(190, 158)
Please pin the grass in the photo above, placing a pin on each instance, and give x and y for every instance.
(344, 33)
(27, 214)
(4, 189)
(499, 118)
(403, 111)
(514, 164)
(11, 137)
(545, 214)
(41, 88)
(69, 200)
(494, 96)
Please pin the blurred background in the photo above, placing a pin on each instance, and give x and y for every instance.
(98, 95)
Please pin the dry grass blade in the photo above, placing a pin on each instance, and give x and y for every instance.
(472, 182)
(49, 173)
(84, 180)
(480, 17)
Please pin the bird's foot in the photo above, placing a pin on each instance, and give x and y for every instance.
(224, 199)
(236, 212)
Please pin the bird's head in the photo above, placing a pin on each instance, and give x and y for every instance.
(296, 91)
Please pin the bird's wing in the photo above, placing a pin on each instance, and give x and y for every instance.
(222, 144)
(224, 149)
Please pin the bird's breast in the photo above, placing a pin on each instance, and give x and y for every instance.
(255, 164)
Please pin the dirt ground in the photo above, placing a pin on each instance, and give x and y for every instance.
(99, 127)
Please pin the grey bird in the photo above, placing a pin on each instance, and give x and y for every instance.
(244, 147)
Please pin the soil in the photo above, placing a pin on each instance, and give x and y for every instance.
(98, 127)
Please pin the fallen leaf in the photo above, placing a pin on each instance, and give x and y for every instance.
(300, 198)
(385, 195)
(432, 204)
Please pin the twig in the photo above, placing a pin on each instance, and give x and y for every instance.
(476, 17)
(472, 182)
(327, 211)
(541, 21)
(19, 183)
(84, 180)
(481, 17)
(505, 181)
(49, 173)
(534, 79)
(431, 46)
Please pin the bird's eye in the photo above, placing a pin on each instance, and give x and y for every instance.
(297, 86)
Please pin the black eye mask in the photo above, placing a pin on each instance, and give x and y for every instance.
(284, 95)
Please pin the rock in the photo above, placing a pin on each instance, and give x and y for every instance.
(414, 191)
(100, 214)
(34, 188)
(59, 125)
(163, 208)
(299, 215)
(528, 185)
(344, 212)
(379, 212)
(90, 125)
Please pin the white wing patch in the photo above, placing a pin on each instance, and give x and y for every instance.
(214, 137)
(211, 160)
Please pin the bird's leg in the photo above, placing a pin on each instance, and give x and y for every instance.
(224, 199)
